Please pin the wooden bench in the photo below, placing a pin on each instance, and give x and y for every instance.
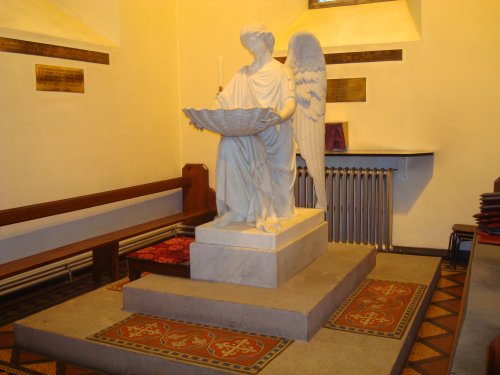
(198, 202)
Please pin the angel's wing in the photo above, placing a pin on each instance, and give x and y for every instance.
(307, 62)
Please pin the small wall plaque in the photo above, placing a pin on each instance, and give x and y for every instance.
(58, 78)
(346, 90)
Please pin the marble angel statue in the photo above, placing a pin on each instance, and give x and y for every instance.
(255, 173)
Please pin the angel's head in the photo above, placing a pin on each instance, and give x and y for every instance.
(257, 39)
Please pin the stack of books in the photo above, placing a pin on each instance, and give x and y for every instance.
(488, 219)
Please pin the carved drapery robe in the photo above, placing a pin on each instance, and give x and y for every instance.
(255, 174)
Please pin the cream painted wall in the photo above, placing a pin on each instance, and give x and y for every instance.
(442, 97)
(106, 21)
(47, 17)
(381, 22)
(121, 132)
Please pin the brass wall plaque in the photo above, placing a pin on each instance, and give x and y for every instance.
(57, 78)
(346, 90)
(360, 57)
(50, 50)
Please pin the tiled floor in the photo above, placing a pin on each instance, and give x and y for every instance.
(430, 353)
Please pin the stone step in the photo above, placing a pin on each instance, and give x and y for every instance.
(60, 332)
(296, 310)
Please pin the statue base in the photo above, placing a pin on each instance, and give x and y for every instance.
(242, 255)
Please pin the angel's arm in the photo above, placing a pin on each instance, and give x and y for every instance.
(277, 117)
(288, 109)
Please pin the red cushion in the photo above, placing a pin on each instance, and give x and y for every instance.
(173, 251)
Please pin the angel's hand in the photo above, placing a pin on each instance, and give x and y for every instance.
(197, 126)
(272, 118)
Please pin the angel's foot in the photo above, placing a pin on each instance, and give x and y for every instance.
(226, 219)
(272, 228)
(271, 225)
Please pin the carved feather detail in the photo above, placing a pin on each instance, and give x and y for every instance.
(307, 62)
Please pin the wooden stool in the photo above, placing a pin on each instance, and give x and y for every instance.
(459, 234)
(170, 258)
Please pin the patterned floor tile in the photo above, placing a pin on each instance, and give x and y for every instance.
(197, 344)
(445, 283)
(10, 369)
(7, 328)
(456, 291)
(434, 311)
(439, 296)
(459, 277)
(452, 306)
(73, 370)
(5, 355)
(447, 273)
(443, 343)
(421, 351)
(410, 371)
(378, 307)
(46, 368)
(6, 339)
(436, 367)
(447, 322)
(429, 330)
(26, 358)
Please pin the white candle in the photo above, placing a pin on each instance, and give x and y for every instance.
(220, 72)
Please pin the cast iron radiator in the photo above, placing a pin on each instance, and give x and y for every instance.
(359, 204)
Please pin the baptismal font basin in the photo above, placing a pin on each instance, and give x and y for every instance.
(230, 122)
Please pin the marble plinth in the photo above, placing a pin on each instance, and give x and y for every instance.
(242, 235)
(295, 310)
(267, 268)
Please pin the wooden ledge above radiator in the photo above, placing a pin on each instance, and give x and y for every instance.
(379, 153)
(399, 160)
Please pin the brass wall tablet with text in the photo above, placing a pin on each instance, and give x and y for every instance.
(58, 78)
(346, 90)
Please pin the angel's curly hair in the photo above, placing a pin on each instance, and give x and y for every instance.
(261, 32)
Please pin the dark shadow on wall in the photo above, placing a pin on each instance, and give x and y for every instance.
(419, 172)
